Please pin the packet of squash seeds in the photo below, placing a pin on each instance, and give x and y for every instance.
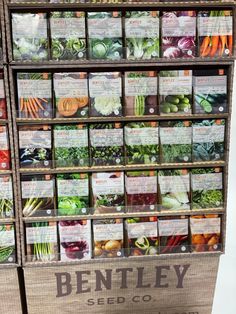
(108, 238)
(72, 194)
(176, 141)
(142, 35)
(37, 193)
(3, 105)
(29, 36)
(141, 191)
(205, 233)
(105, 91)
(75, 240)
(106, 144)
(142, 142)
(210, 91)
(34, 95)
(208, 140)
(105, 35)
(6, 197)
(71, 94)
(174, 186)
(140, 93)
(35, 146)
(5, 155)
(175, 92)
(41, 241)
(71, 145)
(173, 233)
(68, 35)
(142, 237)
(7, 244)
(207, 188)
(108, 192)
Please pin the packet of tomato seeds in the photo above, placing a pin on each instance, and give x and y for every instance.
(7, 244)
(5, 157)
(6, 197)
(142, 236)
(173, 233)
(108, 238)
(75, 240)
(141, 191)
(3, 106)
(205, 233)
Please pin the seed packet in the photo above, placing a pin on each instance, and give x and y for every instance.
(108, 238)
(35, 146)
(29, 36)
(5, 155)
(106, 144)
(205, 233)
(71, 94)
(71, 145)
(3, 105)
(210, 91)
(72, 194)
(7, 244)
(215, 33)
(108, 192)
(208, 140)
(173, 233)
(142, 35)
(142, 236)
(207, 188)
(174, 186)
(34, 95)
(176, 141)
(175, 92)
(142, 142)
(6, 197)
(75, 240)
(41, 242)
(37, 193)
(141, 190)
(68, 39)
(105, 35)
(179, 34)
(105, 91)
(140, 93)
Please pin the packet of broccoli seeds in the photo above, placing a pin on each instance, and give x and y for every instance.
(6, 197)
(142, 237)
(142, 35)
(174, 187)
(210, 91)
(108, 192)
(108, 238)
(68, 35)
(142, 142)
(29, 36)
(7, 244)
(71, 94)
(175, 92)
(105, 91)
(106, 144)
(140, 93)
(207, 188)
(71, 145)
(208, 140)
(105, 35)
(173, 233)
(176, 141)
(72, 194)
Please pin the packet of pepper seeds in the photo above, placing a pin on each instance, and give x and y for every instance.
(142, 237)
(173, 233)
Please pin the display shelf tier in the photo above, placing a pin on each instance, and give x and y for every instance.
(3, 121)
(7, 220)
(5, 172)
(9, 265)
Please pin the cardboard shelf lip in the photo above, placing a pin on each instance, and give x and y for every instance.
(3, 172)
(9, 265)
(3, 121)
(161, 62)
(127, 215)
(141, 259)
(7, 220)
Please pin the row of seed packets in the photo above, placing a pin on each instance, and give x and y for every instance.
(76, 240)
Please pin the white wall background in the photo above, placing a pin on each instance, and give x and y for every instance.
(225, 294)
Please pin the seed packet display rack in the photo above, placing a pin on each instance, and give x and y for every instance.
(122, 65)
